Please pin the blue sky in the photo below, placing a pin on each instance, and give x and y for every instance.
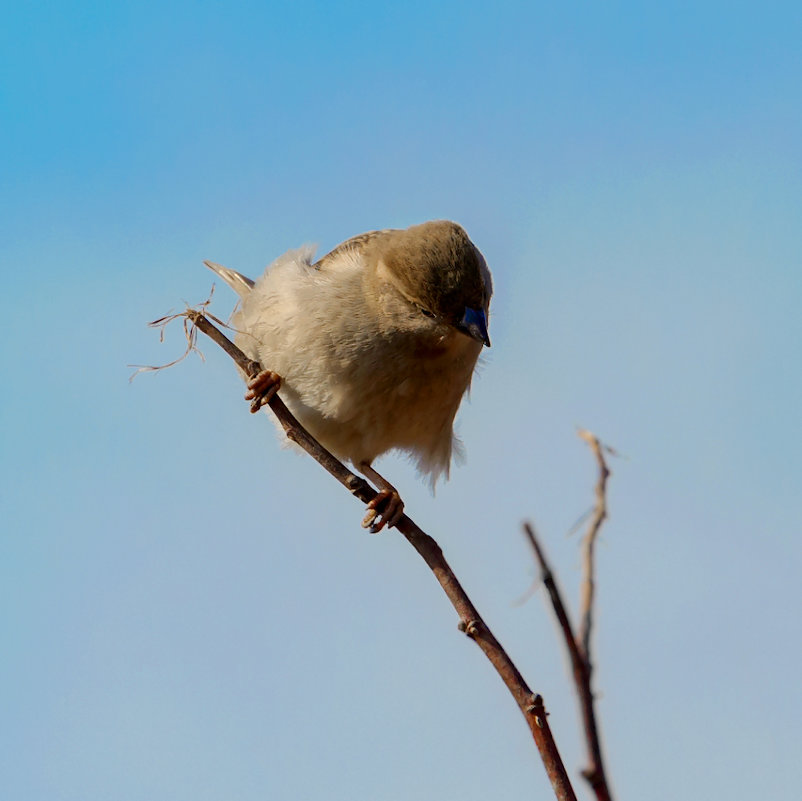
(191, 612)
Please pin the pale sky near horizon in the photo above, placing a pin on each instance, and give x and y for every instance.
(190, 611)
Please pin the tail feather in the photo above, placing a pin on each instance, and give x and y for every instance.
(241, 284)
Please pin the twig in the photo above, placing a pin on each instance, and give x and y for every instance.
(471, 622)
(578, 647)
(546, 574)
(589, 542)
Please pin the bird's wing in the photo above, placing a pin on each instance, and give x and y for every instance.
(240, 283)
(355, 245)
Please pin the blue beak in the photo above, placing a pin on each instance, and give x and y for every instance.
(474, 324)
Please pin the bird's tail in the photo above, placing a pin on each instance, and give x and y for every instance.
(238, 282)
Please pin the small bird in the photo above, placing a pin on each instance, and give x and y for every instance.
(373, 345)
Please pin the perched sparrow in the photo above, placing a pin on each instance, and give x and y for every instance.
(373, 345)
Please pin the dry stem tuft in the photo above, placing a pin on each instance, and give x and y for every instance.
(190, 333)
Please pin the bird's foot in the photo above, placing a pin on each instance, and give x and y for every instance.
(386, 509)
(261, 388)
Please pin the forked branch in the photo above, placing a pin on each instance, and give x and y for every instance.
(579, 645)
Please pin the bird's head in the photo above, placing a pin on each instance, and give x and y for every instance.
(438, 270)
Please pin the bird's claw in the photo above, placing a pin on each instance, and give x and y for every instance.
(386, 509)
(261, 388)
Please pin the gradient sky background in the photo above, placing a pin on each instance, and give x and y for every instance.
(189, 611)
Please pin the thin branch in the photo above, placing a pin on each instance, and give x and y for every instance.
(546, 574)
(471, 622)
(589, 542)
(578, 646)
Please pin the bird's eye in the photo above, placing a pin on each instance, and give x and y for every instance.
(426, 313)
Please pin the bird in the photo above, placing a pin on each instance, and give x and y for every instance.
(373, 346)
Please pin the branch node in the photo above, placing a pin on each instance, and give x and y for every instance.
(535, 703)
(596, 780)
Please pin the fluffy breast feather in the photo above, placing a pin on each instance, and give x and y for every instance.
(356, 379)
